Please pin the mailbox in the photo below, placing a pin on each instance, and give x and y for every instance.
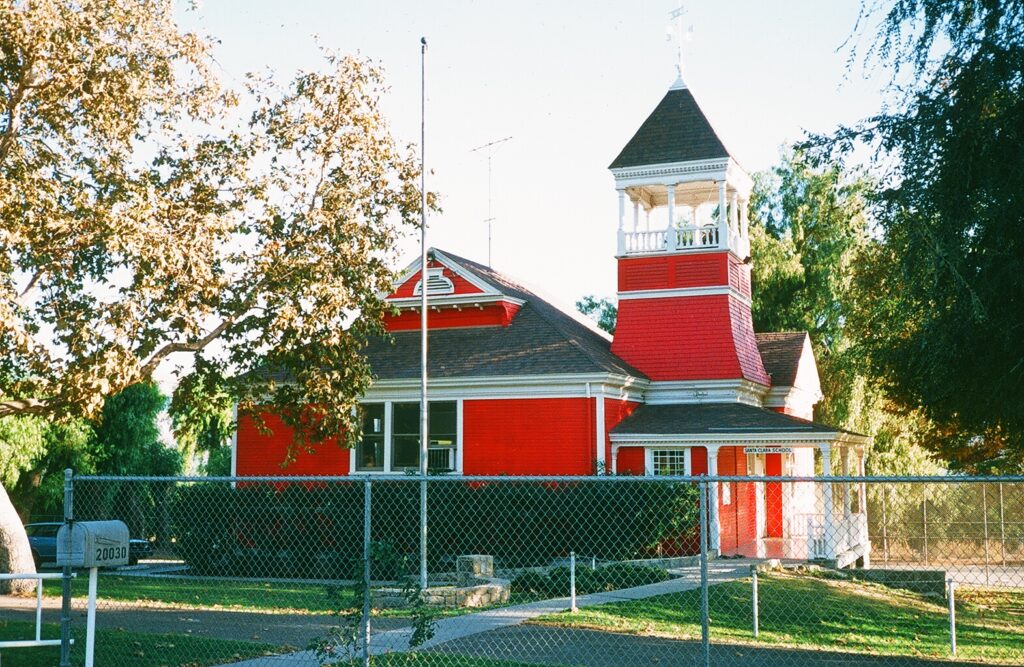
(93, 544)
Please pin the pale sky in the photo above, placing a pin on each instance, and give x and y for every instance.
(570, 82)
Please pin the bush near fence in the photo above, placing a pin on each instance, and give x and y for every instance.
(315, 531)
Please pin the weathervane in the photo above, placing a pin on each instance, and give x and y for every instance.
(681, 35)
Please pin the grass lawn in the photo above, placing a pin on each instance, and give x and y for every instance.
(812, 612)
(241, 594)
(134, 649)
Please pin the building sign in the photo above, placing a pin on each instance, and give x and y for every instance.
(767, 450)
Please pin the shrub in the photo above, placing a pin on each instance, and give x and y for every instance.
(316, 530)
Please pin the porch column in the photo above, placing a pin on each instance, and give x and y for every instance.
(622, 222)
(847, 498)
(826, 501)
(670, 230)
(615, 459)
(723, 218)
(862, 493)
(636, 215)
(734, 218)
(714, 528)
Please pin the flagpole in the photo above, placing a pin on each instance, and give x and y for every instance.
(424, 411)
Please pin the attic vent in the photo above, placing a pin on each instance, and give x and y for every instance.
(436, 283)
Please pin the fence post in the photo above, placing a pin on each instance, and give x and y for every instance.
(365, 620)
(423, 530)
(705, 637)
(924, 523)
(885, 530)
(572, 581)
(753, 576)
(951, 587)
(984, 521)
(65, 603)
(1002, 527)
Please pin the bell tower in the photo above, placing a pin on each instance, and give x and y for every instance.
(684, 255)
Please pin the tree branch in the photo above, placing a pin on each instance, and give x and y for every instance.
(26, 406)
(150, 366)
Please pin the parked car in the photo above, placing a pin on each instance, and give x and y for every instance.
(42, 537)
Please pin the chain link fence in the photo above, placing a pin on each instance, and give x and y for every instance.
(596, 571)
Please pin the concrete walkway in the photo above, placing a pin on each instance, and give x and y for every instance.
(460, 627)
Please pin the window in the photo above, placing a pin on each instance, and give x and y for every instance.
(403, 450)
(370, 450)
(669, 462)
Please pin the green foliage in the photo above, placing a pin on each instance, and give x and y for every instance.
(127, 436)
(200, 412)
(603, 311)
(941, 290)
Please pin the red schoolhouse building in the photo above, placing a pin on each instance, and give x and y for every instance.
(521, 387)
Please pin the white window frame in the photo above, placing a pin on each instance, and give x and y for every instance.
(388, 445)
(649, 459)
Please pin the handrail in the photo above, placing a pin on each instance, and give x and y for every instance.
(38, 641)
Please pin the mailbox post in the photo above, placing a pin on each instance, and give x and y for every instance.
(92, 544)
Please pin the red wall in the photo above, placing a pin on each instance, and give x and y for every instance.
(678, 338)
(497, 314)
(673, 271)
(614, 412)
(257, 454)
(529, 436)
(630, 461)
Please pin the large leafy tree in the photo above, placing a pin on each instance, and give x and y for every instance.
(808, 225)
(942, 290)
(143, 215)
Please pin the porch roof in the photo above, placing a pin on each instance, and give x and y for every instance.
(718, 419)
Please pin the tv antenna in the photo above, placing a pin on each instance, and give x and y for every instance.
(491, 148)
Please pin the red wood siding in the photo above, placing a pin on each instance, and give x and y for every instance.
(746, 343)
(673, 271)
(462, 286)
(614, 412)
(258, 454)
(739, 276)
(699, 460)
(679, 338)
(498, 314)
(631, 461)
(529, 436)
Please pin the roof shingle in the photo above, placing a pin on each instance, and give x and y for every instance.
(780, 353)
(676, 131)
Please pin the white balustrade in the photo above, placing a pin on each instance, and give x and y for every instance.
(686, 238)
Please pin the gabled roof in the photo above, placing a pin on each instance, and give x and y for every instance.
(540, 340)
(781, 353)
(676, 131)
(716, 419)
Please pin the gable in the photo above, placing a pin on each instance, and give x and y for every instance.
(438, 274)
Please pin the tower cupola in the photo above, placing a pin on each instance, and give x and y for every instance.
(684, 254)
(692, 192)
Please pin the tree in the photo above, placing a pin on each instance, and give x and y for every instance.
(201, 414)
(808, 226)
(603, 311)
(942, 290)
(144, 216)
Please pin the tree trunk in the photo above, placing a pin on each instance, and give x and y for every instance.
(15, 552)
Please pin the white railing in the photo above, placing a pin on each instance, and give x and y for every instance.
(846, 534)
(669, 240)
(644, 242)
(38, 641)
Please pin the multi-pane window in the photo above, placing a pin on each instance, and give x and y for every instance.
(669, 462)
(370, 450)
(405, 437)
